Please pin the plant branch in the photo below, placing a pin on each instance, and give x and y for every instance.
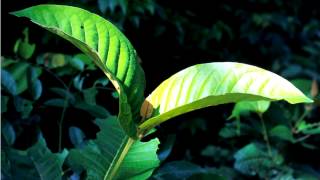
(265, 135)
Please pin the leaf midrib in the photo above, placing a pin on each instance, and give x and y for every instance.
(119, 157)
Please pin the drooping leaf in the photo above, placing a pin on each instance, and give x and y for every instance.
(37, 162)
(244, 107)
(113, 155)
(103, 43)
(212, 84)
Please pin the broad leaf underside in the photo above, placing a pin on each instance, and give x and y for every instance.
(212, 84)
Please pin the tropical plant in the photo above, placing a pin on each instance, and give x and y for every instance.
(118, 152)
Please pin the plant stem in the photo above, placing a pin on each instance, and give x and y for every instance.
(60, 122)
(265, 135)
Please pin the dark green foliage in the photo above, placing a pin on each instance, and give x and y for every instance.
(52, 95)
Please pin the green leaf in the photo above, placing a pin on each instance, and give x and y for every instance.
(19, 72)
(57, 102)
(86, 60)
(8, 82)
(90, 95)
(78, 82)
(23, 47)
(216, 153)
(76, 137)
(213, 84)
(106, 45)
(37, 162)
(34, 84)
(113, 155)
(48, 165)
(253, 159)
(77, 64)
(8, 133)
(244, 107)
(282, 132)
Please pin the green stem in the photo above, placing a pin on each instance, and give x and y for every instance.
(60, 122)
(265, 135)
(305, 113)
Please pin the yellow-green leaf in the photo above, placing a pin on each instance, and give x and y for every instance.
(212, 84)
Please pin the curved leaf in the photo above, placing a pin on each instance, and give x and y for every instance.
(113, 155)
(103, 43)
(212, 84)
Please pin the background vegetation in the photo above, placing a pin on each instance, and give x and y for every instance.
(51, 90)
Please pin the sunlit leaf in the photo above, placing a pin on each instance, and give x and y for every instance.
(105, 45)
(213, 84)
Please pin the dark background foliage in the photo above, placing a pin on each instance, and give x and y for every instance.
(281, 36)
